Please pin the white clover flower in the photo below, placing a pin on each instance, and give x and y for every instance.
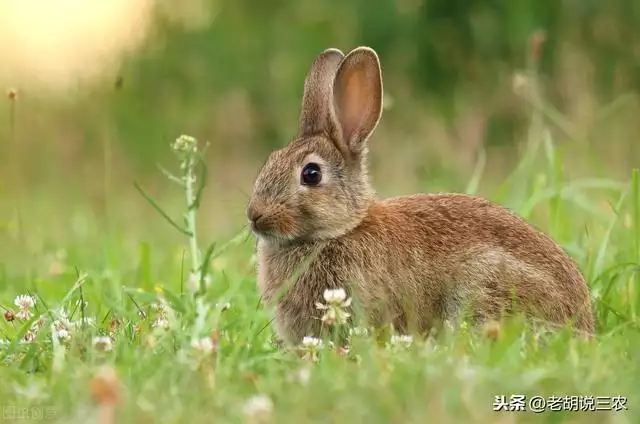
(25, 302)
(103, 343)
(62, 335)
(310, 346)
(337, 302)
(204, 345)
(333, 314)
(334, 295)
(401, 340)
(258, 407)
(62, 324)
(312, 342)
(29, 336)
(24, 314)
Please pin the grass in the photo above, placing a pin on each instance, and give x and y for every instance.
(140, 344)
(218, 363)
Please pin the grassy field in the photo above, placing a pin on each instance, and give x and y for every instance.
(116, 328)
(104, 322)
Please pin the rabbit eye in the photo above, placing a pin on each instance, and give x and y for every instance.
(311, 174)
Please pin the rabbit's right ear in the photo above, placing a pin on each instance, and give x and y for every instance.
(317, 92)
(357, 100)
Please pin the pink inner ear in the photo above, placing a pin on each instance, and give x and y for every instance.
(354, 103)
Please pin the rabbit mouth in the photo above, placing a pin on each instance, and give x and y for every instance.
(270, 235)
(274, 239)
(274, 228)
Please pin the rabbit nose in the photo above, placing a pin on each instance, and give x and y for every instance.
(255, 218)
(253, 214)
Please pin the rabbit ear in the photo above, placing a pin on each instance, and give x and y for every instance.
(316, 99)
(357, 98)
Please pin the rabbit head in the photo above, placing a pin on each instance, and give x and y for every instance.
(317, 186)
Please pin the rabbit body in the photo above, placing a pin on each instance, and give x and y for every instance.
(417, 260)
(410, 261)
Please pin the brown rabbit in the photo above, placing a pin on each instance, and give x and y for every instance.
(409, 261)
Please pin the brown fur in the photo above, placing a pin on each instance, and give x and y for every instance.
(411, 261)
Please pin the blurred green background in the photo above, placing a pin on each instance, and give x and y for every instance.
(231, 73)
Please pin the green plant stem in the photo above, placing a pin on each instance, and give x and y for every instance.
(191, 219)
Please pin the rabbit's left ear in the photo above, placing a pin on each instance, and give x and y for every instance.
(316, 99)
(357, 99)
